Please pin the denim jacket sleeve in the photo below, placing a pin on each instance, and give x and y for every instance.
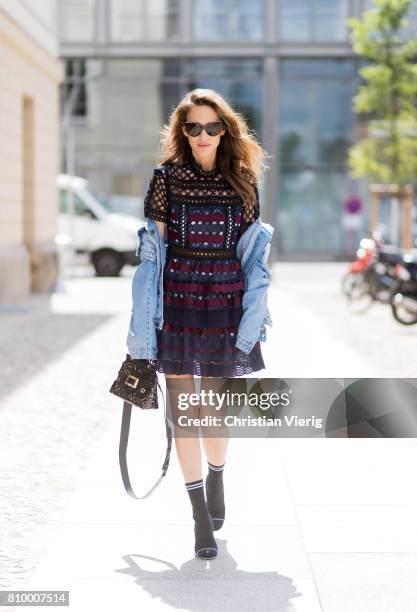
(141, 339)
(255, 304)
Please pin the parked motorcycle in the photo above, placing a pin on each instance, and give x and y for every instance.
(371, 277)
(352, 281)
(403, 299)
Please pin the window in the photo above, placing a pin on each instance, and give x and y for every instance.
(316, 115)
(228, 19)
(312, 20)
(73, 89)
(76, 20)
(80, 209)
(134, 20)
(317, 125)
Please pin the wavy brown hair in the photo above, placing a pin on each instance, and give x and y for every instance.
(241, 160)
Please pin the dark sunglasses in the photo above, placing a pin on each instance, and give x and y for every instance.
(194, 129)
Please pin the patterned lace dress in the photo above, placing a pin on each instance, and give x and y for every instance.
(203, 281)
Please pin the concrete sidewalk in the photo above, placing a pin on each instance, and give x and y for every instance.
(112, 551)
(312, 524)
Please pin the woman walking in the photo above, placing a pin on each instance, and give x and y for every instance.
(203, 196)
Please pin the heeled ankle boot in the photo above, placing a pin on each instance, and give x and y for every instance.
(205, 545)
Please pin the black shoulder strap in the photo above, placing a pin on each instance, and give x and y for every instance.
(124, 438)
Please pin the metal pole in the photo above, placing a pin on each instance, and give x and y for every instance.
(69, 147)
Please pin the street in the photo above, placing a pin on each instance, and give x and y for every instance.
(311, 524)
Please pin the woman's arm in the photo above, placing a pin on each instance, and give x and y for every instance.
(162, 228)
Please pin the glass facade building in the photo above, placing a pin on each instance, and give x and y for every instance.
(287, 65)
(316, 129)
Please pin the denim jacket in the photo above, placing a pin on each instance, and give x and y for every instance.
(147, 289)
(253, 250)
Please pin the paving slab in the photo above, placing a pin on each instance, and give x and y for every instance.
(106, 540)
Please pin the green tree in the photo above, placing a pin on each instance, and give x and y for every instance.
(388, 99)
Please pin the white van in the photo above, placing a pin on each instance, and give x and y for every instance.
(109, 238)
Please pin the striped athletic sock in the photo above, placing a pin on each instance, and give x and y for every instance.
(215, 494)
(205, 544)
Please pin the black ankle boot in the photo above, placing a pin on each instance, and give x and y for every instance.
(215, 495)
(205, 545)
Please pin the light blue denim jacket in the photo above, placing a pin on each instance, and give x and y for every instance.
(147, 289)
(253, 250)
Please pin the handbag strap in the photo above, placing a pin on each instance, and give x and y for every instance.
(124, 438)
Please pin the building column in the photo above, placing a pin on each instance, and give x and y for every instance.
(270, 143)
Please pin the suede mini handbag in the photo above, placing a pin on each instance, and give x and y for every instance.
(137, 384)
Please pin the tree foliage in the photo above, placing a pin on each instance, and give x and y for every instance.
(387, 101)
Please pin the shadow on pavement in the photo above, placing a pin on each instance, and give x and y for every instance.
(200, 585)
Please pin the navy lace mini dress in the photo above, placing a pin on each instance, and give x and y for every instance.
(203, 281)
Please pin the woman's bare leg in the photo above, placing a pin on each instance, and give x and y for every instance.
(188, 448)
(187, 441)
(215, 439)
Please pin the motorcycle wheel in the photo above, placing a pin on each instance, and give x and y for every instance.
(357, 291)
(351, 282)
(400, 312)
